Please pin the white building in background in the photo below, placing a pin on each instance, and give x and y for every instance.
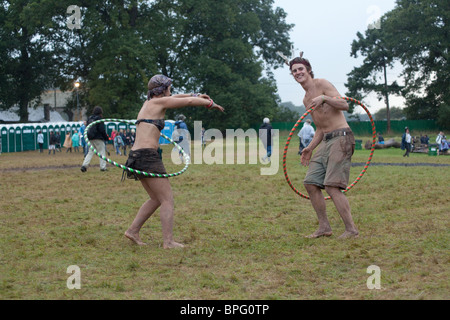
(52, 102)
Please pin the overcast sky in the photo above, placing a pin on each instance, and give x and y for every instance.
(324, 31)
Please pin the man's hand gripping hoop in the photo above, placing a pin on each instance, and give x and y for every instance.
(374, 135)
(187, 159)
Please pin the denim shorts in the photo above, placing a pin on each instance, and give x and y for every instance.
(330, 164)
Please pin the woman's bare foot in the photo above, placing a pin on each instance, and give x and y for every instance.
(349, 234)
(135, 238)
(319, 234)
(172, 244)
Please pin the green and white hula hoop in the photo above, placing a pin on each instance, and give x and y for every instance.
(186, 157)
(374, 137)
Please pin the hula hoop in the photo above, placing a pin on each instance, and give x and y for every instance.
(363, 170)
(147, 174)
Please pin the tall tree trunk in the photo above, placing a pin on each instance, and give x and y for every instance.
(25, 79)
(386, 97)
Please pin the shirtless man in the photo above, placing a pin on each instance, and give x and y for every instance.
(329, 168)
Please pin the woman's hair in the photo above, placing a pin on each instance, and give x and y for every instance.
(157, 85)
(303, 61)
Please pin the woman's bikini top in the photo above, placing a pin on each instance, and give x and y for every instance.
(159, 123)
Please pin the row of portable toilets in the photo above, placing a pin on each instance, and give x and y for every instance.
(23, 137)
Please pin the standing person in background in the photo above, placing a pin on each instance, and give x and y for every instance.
(439, 138)
(53, 140)
(68, 142)
(97, 136)
(83, 141)
(265, 134)
(442, 142)
(133, 137)
(203, 138)
(183, 136)
(306, 134)
(40, 141)
(124, 138)
(113, 136)
(118, 143)
(75, 141)
(58, 142)
(406, 142)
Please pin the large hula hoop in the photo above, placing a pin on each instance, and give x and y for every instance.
(186, 157)
(374, 135)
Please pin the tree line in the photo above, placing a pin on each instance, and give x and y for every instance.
(223, 48)
(416, 33)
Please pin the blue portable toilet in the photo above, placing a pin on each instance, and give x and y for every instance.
(168, 130)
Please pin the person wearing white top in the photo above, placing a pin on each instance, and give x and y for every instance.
(408, 142)
(40, 141)
(306, 134)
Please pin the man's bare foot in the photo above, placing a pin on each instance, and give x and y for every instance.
(319, 234)
(349, 234)
(135, 238)
(172, 244)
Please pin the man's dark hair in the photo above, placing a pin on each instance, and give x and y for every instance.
(303, 61)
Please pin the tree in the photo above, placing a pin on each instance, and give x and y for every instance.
(222, 49)
(365, 79)
(108, 55)
(419, 32)
(27, 62)
(214, 47)
(395, 113)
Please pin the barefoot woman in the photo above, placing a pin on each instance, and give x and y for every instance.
(144, 156)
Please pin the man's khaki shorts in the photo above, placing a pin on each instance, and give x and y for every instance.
(330, 164)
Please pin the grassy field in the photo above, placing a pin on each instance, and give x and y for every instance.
(244, 232)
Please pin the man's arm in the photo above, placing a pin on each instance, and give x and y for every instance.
(328, 97)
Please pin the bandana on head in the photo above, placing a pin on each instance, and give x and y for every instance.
(157, 85)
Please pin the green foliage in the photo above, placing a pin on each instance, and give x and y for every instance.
(417, 34)
(420, 37)
(395, 114)
(288, 113)
(221, 48)
(27, 61)
(224, 48)
(378, 58)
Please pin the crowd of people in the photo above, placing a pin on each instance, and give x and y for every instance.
(409, 142)
(122, 140)
(74, 139)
